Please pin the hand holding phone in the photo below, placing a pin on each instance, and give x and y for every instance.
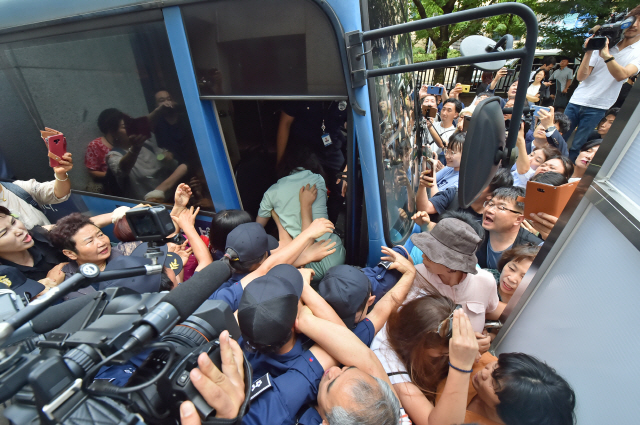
(466, 88)
(434, 90)
(56, 145)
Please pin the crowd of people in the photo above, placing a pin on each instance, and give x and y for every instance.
(405, 341)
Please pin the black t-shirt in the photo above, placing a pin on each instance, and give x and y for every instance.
(45, 257)
(306, 130)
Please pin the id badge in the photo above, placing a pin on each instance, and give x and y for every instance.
(326, 139)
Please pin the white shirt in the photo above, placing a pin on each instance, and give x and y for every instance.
(444, 133)
(533, 90)
(600, 90)
(42, 193)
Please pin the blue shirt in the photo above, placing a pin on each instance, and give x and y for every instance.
(290, 392)
(277, 364)
(230, 294)
(446, 178)
(310, 417)
(382, 280)
(492, 256)
(365, 331)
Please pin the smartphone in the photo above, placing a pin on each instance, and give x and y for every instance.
(431, 112)
(466, 88)
(56, 145)
(466, 122)
(546, 198)
(139, 125)
(536, 109)
(511, 72)
(434, 90)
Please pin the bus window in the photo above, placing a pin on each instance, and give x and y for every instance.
(257, 48)
(115, 95)
(393, 115)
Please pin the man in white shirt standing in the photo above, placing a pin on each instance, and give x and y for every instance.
(441, 131)
(602, 77)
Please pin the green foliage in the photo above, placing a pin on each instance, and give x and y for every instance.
(549, 12)
(419, 54)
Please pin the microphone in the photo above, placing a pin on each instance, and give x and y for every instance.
(179, 304)
(50, 319)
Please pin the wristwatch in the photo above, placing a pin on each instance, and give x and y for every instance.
(552, 128)
(609, 60)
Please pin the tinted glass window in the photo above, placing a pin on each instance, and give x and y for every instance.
(115, 95)
(394, 114)
(258, 48)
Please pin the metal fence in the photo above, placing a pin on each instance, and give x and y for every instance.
(468, 74)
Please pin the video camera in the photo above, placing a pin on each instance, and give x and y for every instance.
(54, 384)
(613, 30)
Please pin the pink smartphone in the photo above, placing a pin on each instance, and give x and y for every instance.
(57, 145)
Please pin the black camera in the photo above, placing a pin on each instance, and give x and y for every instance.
(150, 224)
(613, 30)
(52, 386)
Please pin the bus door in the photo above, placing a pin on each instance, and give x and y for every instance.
(382, 75)
(271, 78)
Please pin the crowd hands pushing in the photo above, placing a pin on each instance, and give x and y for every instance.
(341, 344)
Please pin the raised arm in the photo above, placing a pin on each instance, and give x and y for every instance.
(186, 221)
(523, 164)
(319, 307)
(395, 297)
(341, 344)
(289, 253)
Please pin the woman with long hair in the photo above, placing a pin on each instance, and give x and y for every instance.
(418, 349)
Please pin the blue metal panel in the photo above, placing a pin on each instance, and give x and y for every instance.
(203, 123)
(348, 12)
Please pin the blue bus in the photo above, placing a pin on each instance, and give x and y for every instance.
(228, 67)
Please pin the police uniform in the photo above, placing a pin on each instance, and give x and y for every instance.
(278, 400)
(382, 280)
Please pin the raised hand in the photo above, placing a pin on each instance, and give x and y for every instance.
(398, 262)
(187, 217)
(182, 195)
(65, 164)
(463, 345)
(421, 218)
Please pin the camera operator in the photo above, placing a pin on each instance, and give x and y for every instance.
(602, 76)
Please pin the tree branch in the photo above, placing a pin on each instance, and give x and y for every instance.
(420, 7)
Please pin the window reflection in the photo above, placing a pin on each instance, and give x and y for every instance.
(402, 151)
(115, 95)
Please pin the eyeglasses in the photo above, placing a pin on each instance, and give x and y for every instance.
(491, 204)
(446, 331)
(449, 152)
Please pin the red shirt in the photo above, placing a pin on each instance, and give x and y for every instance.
(94, 158)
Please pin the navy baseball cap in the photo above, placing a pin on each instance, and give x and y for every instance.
(345, 287)
(249, 242)
(19, 283)
(269, 305)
